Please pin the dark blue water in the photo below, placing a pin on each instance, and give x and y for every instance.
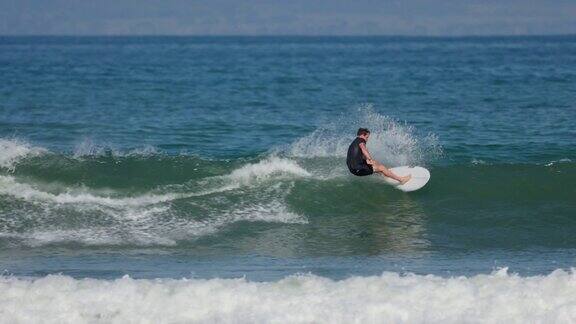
(224, 156)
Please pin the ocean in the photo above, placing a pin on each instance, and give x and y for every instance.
(203, 179)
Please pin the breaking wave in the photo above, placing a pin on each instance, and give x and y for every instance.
(37, 211)
(499, 297)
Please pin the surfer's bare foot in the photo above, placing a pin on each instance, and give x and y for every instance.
(405, 179)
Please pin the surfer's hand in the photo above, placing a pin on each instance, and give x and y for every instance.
(370, 161)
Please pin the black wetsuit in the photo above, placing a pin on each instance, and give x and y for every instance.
(355, 159)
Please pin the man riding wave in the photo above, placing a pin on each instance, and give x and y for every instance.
(360, 162)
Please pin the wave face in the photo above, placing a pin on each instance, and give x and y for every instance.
(496, 298)
(144, 197)
(148, 198)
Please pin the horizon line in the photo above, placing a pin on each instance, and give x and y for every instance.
(293, 35)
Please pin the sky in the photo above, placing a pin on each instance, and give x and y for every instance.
(288, 17)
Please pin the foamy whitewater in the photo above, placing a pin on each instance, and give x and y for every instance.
(138, 218)
(389, 298)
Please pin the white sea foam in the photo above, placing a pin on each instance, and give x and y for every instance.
(390, 142)
(148, 219)
(144, 227)
(13, 150)
(92, 236)
(9, 186)
(245, 175)
(390, 298)
(272, 166)
(273, 211)
(109, 217)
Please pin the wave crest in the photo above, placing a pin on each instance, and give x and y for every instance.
(266, 168)
(12, 151)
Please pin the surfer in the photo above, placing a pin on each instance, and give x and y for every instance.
(360, 162)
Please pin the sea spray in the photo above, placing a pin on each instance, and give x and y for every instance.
(90, 148)
(391, 142)
(14, 150)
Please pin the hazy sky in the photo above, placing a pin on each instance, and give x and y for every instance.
(296, 17)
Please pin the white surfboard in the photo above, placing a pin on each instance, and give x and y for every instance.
(420, 177)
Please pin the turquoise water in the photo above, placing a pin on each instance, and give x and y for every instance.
(170, 157)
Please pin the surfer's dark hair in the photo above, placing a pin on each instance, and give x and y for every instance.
(362, 131)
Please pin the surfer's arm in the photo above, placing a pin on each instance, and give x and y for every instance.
(366, 154)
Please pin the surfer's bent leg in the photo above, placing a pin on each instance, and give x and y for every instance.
(380, 168)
